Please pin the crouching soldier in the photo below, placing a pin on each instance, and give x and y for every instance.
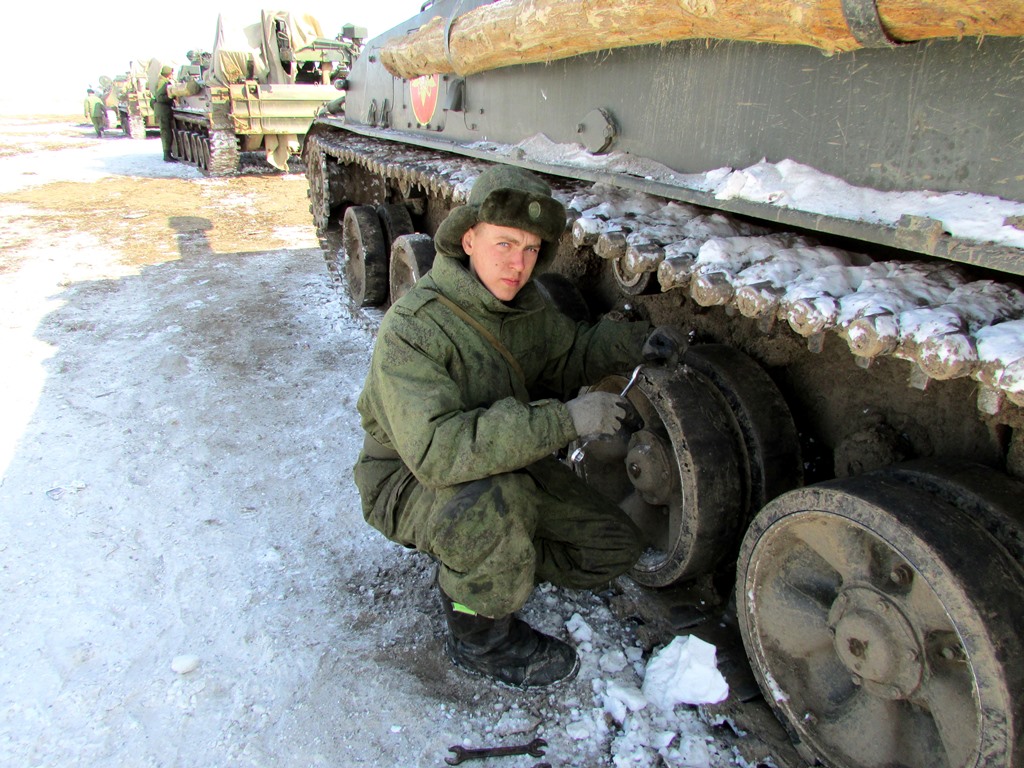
(458, 458)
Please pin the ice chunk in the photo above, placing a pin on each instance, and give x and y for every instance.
(684, 672)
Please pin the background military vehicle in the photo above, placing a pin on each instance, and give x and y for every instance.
(259, 91)
(830, 195)
(134, 91)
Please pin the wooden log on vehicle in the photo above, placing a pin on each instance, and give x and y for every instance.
(532, 31)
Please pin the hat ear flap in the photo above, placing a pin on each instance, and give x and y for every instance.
(448, 238)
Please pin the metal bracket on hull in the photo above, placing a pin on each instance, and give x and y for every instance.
(866, 25)
(448, 35)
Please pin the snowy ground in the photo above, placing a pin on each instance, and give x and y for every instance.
(185, 574)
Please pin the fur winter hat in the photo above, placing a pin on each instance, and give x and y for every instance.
(508, 197)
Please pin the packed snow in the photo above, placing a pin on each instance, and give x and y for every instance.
(787, 183)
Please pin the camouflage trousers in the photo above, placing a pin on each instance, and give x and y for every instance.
(99, 122)
(163, 119)
(498, 537)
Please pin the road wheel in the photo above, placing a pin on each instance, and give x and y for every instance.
(199, 141)
(319, 195)
(366, 260)
(884, 624)
(395, 221)
(412, 256)
(677, 471)
(204, 152)
(634, 283)
(984, 494)
(772, 445)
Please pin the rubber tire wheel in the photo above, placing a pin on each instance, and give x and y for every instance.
(317, 191)
(206, 152)
(770, 437)
(634, 285)
(985, 494)
(396, 221)
(685, 419)
(851, 593)
(200, 154)
(366, 259)
(412, 256)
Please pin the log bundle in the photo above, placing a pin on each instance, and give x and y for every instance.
(533, 31)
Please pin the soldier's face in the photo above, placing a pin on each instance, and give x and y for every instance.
(502, 258)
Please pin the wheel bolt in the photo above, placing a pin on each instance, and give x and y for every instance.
(856, 679)
(901, 575)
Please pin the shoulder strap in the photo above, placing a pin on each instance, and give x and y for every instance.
(494, 340)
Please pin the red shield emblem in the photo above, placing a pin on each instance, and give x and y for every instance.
(423, 91)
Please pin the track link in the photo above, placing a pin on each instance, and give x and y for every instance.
(929, 313)
(214, 151)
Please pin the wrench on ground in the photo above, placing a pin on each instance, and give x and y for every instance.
(534, 748)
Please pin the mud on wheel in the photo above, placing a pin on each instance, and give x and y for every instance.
(708, 448)
(366, 258)
(883, 625)
(412, 256)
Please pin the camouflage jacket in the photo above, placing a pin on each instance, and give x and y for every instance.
(445, 399)
(160, 96)
(94, 106)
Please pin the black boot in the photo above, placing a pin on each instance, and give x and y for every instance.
(507, 649)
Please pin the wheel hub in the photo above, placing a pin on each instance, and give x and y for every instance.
(876, 642)
(649, 467)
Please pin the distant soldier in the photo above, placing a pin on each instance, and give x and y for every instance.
(96, 111)
(162, 109)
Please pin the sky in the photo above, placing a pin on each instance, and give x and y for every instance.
(78, 43)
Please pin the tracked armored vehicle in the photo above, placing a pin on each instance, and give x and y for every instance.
(134, 91)
(829, 196)
(258, 91)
